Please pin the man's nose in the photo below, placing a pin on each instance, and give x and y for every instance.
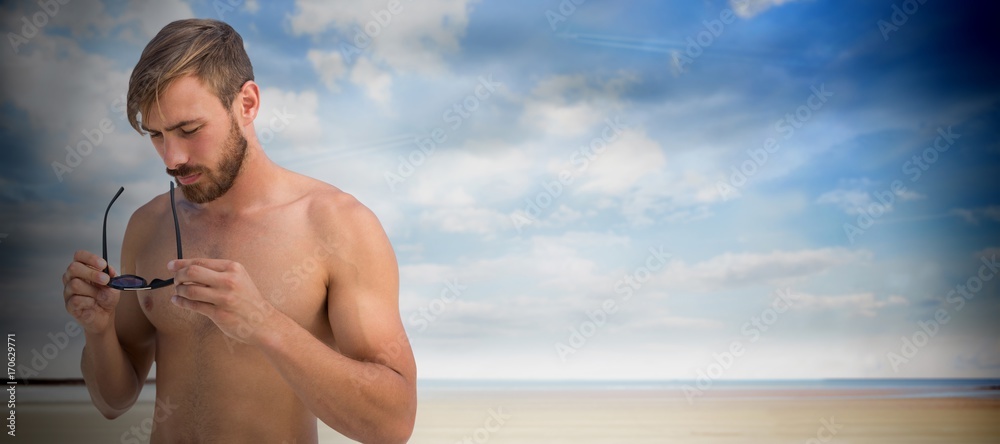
(174, 153)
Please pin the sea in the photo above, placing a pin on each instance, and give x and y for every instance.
(74, 391)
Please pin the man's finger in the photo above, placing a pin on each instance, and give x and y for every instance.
(78, 302)
(107, 298)
(77, 287)
(196, 306)
(80, 271)
(196, 292)
(80, 287)
(89, 259)
(199, 275)
(211, 264)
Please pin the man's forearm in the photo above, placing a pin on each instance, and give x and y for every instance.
(366, 401)
(110, 377)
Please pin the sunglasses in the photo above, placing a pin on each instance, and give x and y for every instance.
(131, 282)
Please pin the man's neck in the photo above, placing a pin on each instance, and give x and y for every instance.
(257, 186)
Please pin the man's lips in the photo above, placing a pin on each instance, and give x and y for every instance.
(187, 180)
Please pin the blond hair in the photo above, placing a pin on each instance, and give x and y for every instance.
(209, 49)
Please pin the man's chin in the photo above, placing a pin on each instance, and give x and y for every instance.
(197, 194)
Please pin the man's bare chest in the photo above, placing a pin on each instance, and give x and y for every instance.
(278, 254)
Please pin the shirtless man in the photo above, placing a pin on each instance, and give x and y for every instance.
(285, 306)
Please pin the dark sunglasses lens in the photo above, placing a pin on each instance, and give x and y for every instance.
(128, 282)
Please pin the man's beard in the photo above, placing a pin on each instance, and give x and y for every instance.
(213, 185)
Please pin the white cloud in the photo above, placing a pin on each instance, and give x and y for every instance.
(626, 162)
(484, 173)
(153, 16)
(619, 164)
(426, 273)
(734, 270)
(413, 40)
(572, 105)
(750, 8)
(975, 215)
(530, 290)
(633, 173)
(910, 195)
(329, 65)
(66, 93)
(376, 83)
(861, 304)
(636, 175)
(65, 89)
(661, 321)
(561, 217)
(84, 19)
(289, 116)
(851, 201)
(561, 119)
(855, 196)
(465, 220)
(689, 215)
(553, 262)
(90, 18)
(40, 83)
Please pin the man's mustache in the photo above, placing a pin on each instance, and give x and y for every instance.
(183, 171)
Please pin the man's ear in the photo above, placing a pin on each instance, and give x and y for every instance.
(247, 103)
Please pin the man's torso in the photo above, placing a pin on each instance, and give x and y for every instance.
(224, 390)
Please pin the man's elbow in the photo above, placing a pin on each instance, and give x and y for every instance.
(109, 409)
(400, 428)
(111, 413)
(399, 434)
(406, 428)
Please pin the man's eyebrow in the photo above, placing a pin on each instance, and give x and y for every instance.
(174, 126)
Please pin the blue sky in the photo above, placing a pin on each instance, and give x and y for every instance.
(618, 190)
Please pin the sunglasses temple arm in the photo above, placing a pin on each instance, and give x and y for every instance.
(104, 238)
(177, 228)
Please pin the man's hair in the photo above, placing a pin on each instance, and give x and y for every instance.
(209, 49)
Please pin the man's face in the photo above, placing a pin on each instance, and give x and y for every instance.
(199, 140)
(214, 182)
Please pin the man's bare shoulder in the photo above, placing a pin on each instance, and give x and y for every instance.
(333, 210)
(149, 215)
(340, 219)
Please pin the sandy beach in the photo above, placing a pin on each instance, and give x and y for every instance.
(615, 416)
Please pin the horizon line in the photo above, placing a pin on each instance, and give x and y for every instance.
(81, 381)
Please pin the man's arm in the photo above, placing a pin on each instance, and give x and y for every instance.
(367, 390)
(117, 359)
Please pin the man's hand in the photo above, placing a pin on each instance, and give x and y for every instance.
(223, 291)
(86, 293)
